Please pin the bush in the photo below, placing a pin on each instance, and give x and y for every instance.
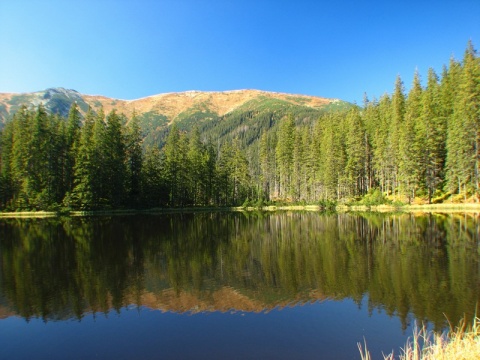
(374, 197)
(327, 204)
(259, 204)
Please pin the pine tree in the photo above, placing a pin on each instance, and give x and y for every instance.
(397, 117)
(380, 124)
(72, 143)
(240, 175)
(82, 196)
(463, 143)
(268, 143)
(284, 155)
(355, 153)
(368, 116)
(56, 160)
(305, 164)
(224, 170)
(332, 159)
(297, 167)
(195, 169)
(455, 133)
(134, 160)
(99, 168)
(36, 161)
(433, 135)
(411, 137)
(209, 174)
(470, 111)
(6, 176)
(154, 192)
(114, 159)
(175, 166)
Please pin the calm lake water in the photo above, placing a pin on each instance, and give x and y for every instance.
(231, 285)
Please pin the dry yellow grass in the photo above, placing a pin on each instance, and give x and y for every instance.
(220, 102)
(461, 343)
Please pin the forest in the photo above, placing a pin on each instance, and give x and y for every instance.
(423, 145)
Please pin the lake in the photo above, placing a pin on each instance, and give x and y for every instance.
(286, 285)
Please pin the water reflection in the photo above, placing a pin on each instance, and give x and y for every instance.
(413, 267)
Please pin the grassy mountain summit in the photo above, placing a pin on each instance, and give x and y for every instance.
(218, 113)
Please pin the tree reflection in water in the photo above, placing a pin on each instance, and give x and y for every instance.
(414, 267)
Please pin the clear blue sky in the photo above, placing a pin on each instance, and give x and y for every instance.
(131, 49)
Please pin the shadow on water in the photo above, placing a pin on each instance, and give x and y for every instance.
(414, 267)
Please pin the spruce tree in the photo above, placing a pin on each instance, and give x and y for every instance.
(433, 136)
(72, 143)
(82, 196)
(463, 141)
(114, 159)
(172, 164)
(411, 142)
(154, 192)
(380, 123)
(355, 153)
(284, 155)
(195, 166)
(134, 160)
(455, 132)
(397, 117)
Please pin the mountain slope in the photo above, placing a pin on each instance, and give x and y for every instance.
(219, 113)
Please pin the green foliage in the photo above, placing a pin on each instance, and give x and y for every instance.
(373, 198)
(327, 205)
(403, 146)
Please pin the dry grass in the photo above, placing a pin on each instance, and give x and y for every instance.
(461, 343)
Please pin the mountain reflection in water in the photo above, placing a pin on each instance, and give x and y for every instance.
(423, 267)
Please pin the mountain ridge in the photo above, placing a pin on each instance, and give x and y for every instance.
(170, 104)
(220, 115)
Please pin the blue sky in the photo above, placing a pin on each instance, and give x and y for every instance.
(131, 49)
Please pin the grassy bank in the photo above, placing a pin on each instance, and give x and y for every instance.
(44, 214)
(444, 207)
(461, 343)
(426, 208)
(413, 208)
(281, 208)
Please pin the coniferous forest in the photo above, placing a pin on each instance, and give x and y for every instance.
(405, 146)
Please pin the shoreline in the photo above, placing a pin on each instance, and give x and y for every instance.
(425, 208)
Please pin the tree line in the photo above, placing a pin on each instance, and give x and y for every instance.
(49, 163)
(422, 144)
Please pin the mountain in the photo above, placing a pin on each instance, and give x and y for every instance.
(218, 113)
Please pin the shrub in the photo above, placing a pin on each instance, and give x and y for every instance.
(374, 197)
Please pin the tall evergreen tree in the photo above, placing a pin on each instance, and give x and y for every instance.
(397, 117)
(267, 160)
(411, 138)
(284, 155)
(463, 141)
(380, 118)
(195, 162)
(134, 160)
(154, 192)
(71, 146)
(433, 135)
(355, 153)
(114, 158)
(82, 196)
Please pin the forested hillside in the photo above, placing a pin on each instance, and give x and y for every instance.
(423, 144)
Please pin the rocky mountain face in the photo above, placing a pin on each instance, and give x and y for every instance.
(219, 113)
